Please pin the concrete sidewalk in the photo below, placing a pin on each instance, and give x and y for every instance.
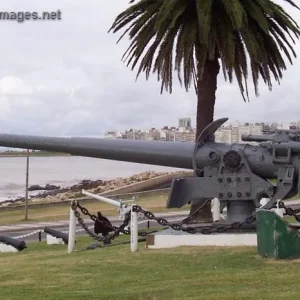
(42, 225)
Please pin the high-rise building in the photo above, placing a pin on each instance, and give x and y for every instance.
(185, 123)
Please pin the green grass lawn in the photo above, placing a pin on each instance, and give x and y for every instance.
(155, 203)
(49, 273)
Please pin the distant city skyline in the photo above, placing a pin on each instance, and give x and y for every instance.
(193, 124)
(185, 132)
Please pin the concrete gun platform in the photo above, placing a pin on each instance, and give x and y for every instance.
(170, 238)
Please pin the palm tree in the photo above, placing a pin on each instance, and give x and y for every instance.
(197, 37)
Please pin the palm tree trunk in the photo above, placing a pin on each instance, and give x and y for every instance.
(206, 95)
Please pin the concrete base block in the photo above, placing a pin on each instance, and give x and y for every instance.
(51, 240)
(170, 238)
(7, 248)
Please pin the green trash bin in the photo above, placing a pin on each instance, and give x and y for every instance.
(275, 237)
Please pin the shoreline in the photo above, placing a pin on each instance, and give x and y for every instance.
(32, 155)
(93, 186)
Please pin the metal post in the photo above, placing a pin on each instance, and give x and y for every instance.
(72, 231)
(133, 231)
(264, 201)
(216, 209)
(26, 186)
(279, 211)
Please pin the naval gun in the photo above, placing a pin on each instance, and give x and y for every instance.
(237, 174)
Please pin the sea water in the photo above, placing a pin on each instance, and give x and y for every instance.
(63, 171)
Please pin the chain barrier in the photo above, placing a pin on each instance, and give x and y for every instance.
(204, 230)
(109, 237)
(116, 230)
(26, 235)
(208, 229)
(38, 231)
(78, 230)
(289, 211)
(167, 223)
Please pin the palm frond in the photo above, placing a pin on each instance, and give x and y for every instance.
(181, 35)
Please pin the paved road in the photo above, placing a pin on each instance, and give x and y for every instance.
(34, 228)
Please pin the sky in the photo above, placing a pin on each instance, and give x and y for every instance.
(66, 78)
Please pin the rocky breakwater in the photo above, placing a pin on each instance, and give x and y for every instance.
(55, 194)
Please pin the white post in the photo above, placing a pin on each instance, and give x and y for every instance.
(216, 209)
(264, 201)
(279, 211)
(133, 231)
(72, 231)
(26, 188)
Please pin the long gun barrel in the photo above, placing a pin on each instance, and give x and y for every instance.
(170, 154)
(175, 154)
(276, 136)
(256, 138)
